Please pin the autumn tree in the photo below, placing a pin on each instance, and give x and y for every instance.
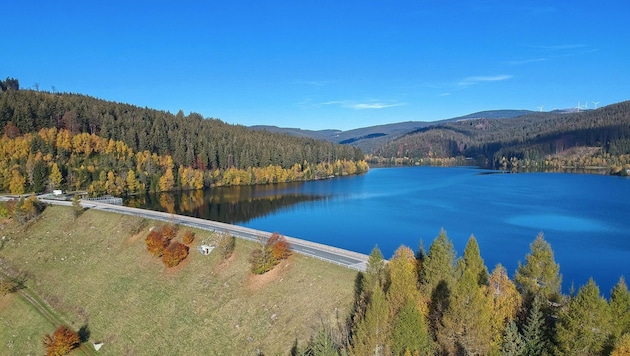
(55, 176)
(584, 325)
(506, 302)
(403, 280)
(540, 275)
(188, 237)
(61, 342)
(474, 262)
(169, 231)
(410, 333)
(620, 309)
(622, 346)
(375, 269)
(174, 254)
(373, 330)
(156, 243)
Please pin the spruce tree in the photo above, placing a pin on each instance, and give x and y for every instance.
(534, 330)
(512, 341)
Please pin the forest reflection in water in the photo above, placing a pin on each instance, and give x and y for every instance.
(231, 205)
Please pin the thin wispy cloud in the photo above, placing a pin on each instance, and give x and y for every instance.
(482, 79)
(370, 105)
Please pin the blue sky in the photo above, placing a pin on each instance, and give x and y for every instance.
(324, 64)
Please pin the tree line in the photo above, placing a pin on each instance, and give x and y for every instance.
(433, 303)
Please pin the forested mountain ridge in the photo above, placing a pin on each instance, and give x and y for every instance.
(537, 137)
(97, 141)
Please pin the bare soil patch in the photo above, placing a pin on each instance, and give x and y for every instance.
(258, 281)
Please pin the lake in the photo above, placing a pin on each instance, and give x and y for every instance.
(583, 216)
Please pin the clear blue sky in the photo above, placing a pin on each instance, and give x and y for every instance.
(323, 64)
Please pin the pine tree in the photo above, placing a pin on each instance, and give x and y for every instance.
(584, 325)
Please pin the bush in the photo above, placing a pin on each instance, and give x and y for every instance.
(189, 237)
(156, 243)
(265, 258)
(169, 231)
(62, 341)
(226, 245)
(174, 254)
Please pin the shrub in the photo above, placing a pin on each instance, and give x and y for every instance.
(156, 243)
(270, 253)
(174, 254)
(169, 231)
(189, 237)
(226, 245)
(62, 341)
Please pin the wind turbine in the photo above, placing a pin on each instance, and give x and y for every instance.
(540, 108)
(595, 103)
(586, 105)
(578, 107)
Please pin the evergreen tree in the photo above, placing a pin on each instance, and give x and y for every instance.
(439, 264)
(540, 275)
(584, 325)
(512, 341)
(534, 330)
(323, 344)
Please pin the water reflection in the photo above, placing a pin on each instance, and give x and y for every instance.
(232, 205)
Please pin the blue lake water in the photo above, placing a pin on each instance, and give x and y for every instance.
(584, 217)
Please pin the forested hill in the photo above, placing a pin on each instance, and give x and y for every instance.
(68, 141)
(190, 140)
(536, 137)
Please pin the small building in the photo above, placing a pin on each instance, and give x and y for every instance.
(57, 192)
(205, 249)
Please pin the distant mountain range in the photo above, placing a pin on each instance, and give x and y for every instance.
(372, 137)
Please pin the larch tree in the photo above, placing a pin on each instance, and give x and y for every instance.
(410, 333)
(584, 325)
(55, 176)
(375, 269)
(506, 302)
(622, 346)
(467, 323)
(437, 277)
(620, 309)
(373, 331)
(540, 275)
(474, 262)
(403, 280)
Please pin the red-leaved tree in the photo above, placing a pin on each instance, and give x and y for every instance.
(156, 243)
(62, 341)
(174, 254)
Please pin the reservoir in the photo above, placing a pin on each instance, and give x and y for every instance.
(583, 216)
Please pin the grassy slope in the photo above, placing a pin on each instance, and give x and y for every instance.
(94, 271)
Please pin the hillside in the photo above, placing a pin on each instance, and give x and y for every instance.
(370, 138)
(529, 137)
(95, 272)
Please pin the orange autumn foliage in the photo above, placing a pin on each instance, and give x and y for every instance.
(62, 341)
(174, 254)
(156, 243)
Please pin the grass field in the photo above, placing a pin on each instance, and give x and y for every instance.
(95, 271)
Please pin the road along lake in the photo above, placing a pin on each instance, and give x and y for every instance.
(585, 217)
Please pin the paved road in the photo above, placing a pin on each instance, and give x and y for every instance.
(332, 254)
